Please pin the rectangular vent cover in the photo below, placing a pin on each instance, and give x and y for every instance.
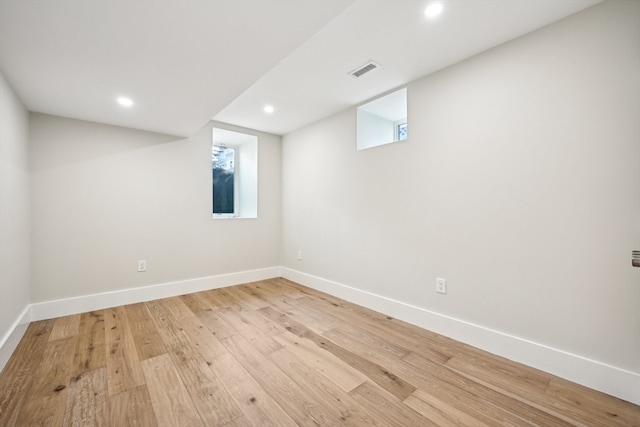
(369, 66)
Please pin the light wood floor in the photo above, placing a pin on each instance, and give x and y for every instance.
(274, 353)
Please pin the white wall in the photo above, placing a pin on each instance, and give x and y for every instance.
(104, 197)
(373, 130)
(519, 184)
(247, 170)
(14, 218)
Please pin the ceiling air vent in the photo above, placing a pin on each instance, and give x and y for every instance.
(369, 66)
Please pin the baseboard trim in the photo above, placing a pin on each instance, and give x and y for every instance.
(590, 373)
(13, 336)
(82, 304)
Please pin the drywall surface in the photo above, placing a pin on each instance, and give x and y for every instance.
(14, 209)
(519, 184)
(104, 197)
(373, 130)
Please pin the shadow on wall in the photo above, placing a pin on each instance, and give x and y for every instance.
(84, 141)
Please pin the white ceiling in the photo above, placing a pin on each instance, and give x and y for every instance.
(185, 61)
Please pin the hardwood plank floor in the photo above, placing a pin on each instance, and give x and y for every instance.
(274, 353)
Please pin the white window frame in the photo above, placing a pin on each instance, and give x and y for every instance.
(245, 184)
(396, 130)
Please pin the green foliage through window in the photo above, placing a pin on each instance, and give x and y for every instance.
(223, 166)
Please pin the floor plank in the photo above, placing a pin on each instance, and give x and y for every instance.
(145, 334)
(265, 343)
(132, 408)
(245, 300)
(439, 411)
(212, 400)
(562, 397)
(387, 407)
(324, 391)
(90, 351)
(200, 337)
(19, 373)
(123, 363)
(475, 399)
(345, 376)
(257, 406)
(196, 302)
(383, 377)
(88, 400)
(303, 408)
(65, 327)
(169, 397)
(47, 395)
(215, 324)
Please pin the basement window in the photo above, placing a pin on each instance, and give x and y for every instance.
(234, 175)
(382, 121)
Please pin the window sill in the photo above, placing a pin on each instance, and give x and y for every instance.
(230, 216)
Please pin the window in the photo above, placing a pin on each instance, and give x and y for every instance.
(234, 174)
(224, 175)
(382, 121)
(401, 130)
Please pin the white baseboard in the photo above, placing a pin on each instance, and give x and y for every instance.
(85, 303)
(82, 304)
(590, 373)
(13, 336)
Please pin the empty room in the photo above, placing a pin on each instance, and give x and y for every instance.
(320, 213)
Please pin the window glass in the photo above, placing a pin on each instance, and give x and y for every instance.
(224, 159)
(401, 131)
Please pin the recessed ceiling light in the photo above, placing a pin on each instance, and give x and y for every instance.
(125, 102)
(433, 10)
(269, 109)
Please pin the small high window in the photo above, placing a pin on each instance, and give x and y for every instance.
(382, 121)
(234, 174)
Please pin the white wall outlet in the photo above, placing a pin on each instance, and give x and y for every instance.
(299, 255)
(142, 265)
(441, 285)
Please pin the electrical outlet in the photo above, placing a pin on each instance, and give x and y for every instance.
(299, 255)
(142, 265)
(441, 286)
